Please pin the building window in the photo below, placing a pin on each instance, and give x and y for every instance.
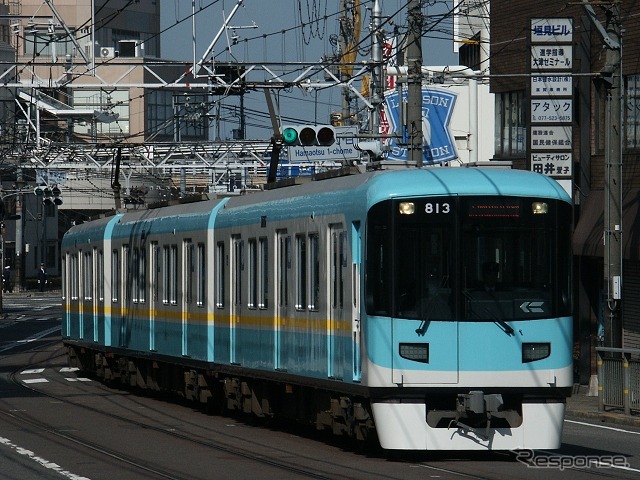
(114, 101)
(510, 133)
(632, 113)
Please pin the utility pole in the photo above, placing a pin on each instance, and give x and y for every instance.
(611, 75)
(414, 81)
(613, 184)
(377, 72)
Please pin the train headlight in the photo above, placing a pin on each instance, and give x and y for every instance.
(406, 208)
(418, 352)
(540, 208)
(535, 351)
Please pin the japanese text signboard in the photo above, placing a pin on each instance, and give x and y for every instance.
(551, 96)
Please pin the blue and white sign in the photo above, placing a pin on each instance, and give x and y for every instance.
(551, 30)
(343, 150)
(438, 141)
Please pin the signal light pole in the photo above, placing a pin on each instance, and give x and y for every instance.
(414, 80)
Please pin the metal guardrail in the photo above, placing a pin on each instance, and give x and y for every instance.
(618, 378)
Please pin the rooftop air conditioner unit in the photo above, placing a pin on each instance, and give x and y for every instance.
(107, 52)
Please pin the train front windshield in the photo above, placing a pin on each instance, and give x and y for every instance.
(469, 258)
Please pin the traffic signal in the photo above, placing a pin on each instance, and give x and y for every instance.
(49, 196)
(309, 135)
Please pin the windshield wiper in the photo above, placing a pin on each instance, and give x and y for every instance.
(508, 329)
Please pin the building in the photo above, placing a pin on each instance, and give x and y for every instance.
(554, 56)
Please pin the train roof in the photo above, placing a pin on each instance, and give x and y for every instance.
(358, 191)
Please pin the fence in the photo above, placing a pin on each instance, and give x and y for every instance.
(618, 379)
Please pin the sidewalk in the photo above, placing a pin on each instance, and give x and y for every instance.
(582, 406)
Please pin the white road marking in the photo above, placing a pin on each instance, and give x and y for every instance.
(79, 379)
(33, 370)
(39, 460)
(604, 427)
(69, 369)
(35, 380)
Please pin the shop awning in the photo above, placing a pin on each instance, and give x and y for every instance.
(588, 237)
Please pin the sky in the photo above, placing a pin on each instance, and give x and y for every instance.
(285, 30)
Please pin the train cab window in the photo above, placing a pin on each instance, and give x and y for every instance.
(115, 275)
(201, 276)
(301, 272)
(263, 273)
(314, 272)
(220, 274)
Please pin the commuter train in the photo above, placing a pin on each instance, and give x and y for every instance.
(427, 308)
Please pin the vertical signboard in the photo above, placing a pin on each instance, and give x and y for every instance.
(551, 97)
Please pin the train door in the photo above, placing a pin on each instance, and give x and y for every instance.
(283, 266)
(82, 299)
(237, 267)
(356, 263)
(95, 311)
(338, 282)
(187, 286)
(153, 293)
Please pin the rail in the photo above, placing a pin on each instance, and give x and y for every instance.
(618, 379)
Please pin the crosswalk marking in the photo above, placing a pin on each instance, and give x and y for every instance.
(35, 380)
(32, 370)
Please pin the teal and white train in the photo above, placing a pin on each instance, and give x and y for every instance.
(430, 307)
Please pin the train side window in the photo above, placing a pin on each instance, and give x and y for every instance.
(263, 275)
(87, 270)
(252, 270)
(165, 274)
(134, 269)
(301, 272)
(73, 272)
(173, 285)
(188, 260)
(314, 272)
(220, 266)
(201, 275)
(284, 259)
(154, 270)
(115, 275)
(142, 275)
(100, 274)
(126, 268)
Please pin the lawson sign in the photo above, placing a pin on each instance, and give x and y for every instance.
(437, 108)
